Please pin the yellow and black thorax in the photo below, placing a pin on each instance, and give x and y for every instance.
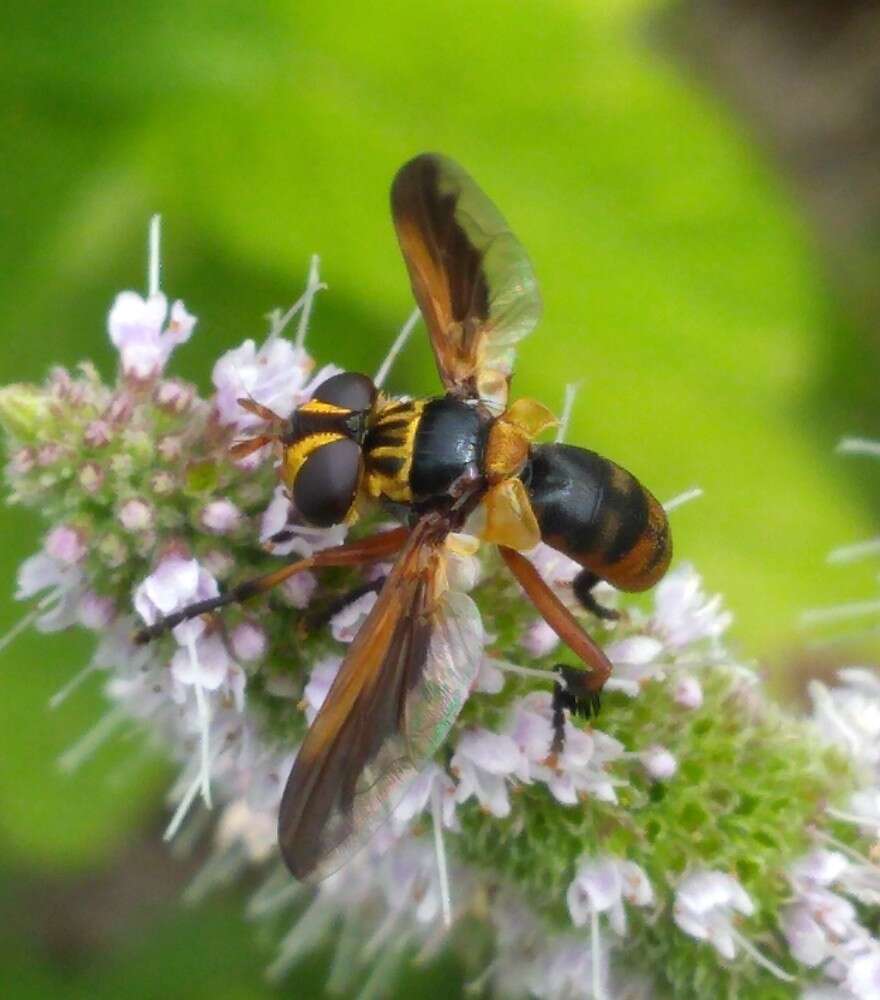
(350, 443)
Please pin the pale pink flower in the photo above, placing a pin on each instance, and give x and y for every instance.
(602, 885)
(248, 641)
(539, 639)
(136, 330)
(175, 583)
(276, 375)
(683, 613)
(706, 905)
(345, 624)
(432, 780)
(297, 590)
(96, 612)
(66, 545)
(687, 692)
(320, 679)
(135, 515)
(659, 763)
(220, 517)
(483, 760)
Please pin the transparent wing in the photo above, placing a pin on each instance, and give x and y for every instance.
(398, 691)
(470, 275)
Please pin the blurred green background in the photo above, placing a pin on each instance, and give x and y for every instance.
(684, 283)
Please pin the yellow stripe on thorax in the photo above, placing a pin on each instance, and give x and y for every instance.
(390, 449)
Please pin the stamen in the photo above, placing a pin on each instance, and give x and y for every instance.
(345, 957)
(312, 288)
(278, 320)
(305, 935)
(274, 896)
(398, 345)
(596, 954)
(440, 851)
(839, 612)
(571, 391)
(204, 713)
(382, 975)
(820, 694)
(64, 692)
(215, 874)
(848, 817)
(850, 852)
(205, 736)
(182, 808)
(20, 626)
(854, 552)
(753, 952)
(512, 668)
(71, 759)
(153, 266)
(682, 498)
(858, 446)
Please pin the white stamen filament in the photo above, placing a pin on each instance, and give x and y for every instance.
(265, 902)
(682, 498)
(345, 958)
(205, 738)
(215, 874)
(839, 612)
(20, 626)
(279, 320)
(820, 695)
(596, 954)
(858, 446)
(154, 255)
(571, 391)
(398, 345)
(512, 668)
(848, 817)
(382, 975)
(854, 552)
(71, 759)
(440, 851)
(850, 852)
(312, 288)
(182, 808)
(63, 693)
(204, 713)
(762, 960)
(43, 604)
(305, 935)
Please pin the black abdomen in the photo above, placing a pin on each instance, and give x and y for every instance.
(450, 440)
(599, 515)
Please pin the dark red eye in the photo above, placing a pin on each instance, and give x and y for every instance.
(327, 482)
(349, 390)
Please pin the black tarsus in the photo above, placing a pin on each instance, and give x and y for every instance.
(315, 620)
(243, 592)
(572, 694)
(583, 586)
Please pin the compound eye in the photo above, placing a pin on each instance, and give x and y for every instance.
(348, 390)
(327, 482)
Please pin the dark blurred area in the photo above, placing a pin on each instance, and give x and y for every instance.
(699, 185)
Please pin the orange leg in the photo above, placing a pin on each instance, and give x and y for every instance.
(364, 550)
(560, 619)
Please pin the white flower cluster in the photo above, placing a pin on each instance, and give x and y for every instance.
(199, 695)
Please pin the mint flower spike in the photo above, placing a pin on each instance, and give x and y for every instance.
(695, 840)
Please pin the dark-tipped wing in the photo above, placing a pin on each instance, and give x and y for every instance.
(470, 275)
(398, 691)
